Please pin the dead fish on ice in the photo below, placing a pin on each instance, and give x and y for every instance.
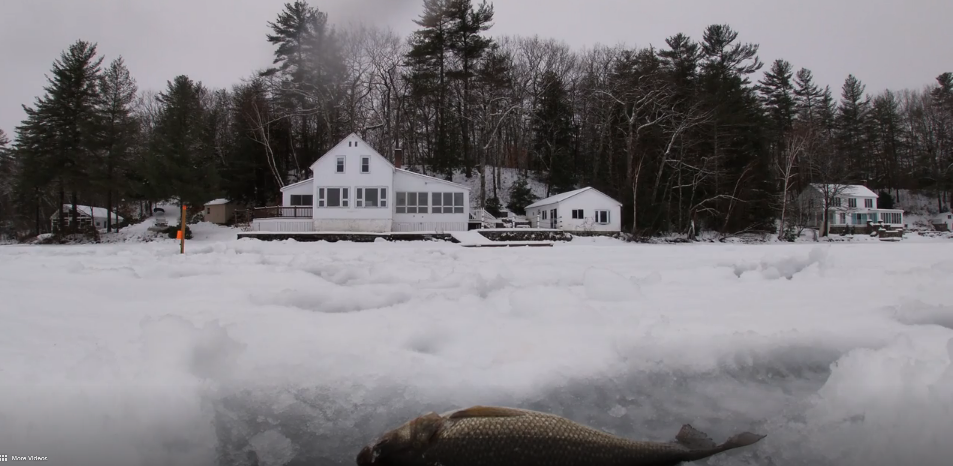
(492, 436)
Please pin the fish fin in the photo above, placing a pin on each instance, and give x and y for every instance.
(694, 439)
(741, 440)
(424, 428)
(486, 411)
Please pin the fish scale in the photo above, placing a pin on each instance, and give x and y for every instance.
(537, 439)
(492, 436)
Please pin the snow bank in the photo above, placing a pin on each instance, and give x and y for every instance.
(299, 353)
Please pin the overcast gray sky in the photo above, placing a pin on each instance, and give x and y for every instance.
(886, 43)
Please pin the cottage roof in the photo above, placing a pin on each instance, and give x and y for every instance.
(851, 190)
(97, 212)
(563, 196)
(217, 202)
(432, 178)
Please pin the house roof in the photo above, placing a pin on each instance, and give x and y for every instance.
(98, 212)
(432, 178)
(853, 190)
(562, 197)
(292, 185)
(361, 140)
(218, 202)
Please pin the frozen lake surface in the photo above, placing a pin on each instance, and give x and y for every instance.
(129, 353)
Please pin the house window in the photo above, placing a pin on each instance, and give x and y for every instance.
(543, 215)
(843, 219)
(446, 203)
(302, 199)
(577, 214)
(602, 217)
(836, 202)
(852, 202)
(339, 167)
(332, 197)
(371, 197)
(365, 164)
(208, 210)
(869, 203)
(411, 203)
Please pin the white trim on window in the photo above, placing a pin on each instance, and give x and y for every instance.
(379, 198)
(340, 164)
(365, 164)
(324, 197)
(412, 203)
(603, 217)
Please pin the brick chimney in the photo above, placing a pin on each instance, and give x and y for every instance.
(398, 156)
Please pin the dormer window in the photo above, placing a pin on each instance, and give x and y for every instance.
(339, 167)
(365, 164)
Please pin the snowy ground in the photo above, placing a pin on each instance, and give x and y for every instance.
(131, 354)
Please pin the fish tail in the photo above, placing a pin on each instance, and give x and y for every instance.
(701, 446)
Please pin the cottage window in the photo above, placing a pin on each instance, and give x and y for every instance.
(869, 203)
(446, 203)
(602, 217)
(302, 199)
(365, 164)
(836, 202)
(339, 166)
(577, 214)
(852, 202)
(843, 219)
(412, 203)
(332, 197)
(371, 197)
(543, 215)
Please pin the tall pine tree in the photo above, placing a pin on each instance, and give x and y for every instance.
(119, 130)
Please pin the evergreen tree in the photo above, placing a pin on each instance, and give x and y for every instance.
(777, 92)
(180, 146)
(553, 133)
(118, 130)
(468, 47)
(7, 175)
(520, 196)
(850, 123)
(429, 62)
(311, 68)
(807, 97)
(62, 126)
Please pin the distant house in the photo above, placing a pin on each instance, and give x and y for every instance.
(853, 208)
(586, 209)
(356, 189)
(943, 221)
(86, 216)
(220, 211)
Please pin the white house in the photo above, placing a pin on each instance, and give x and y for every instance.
(851, 208)
(943, 221)
(87, 216)
(586, 209)
(355, 189)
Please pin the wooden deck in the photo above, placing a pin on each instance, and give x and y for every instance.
(509, 245)
(333, 237)
(282, 212)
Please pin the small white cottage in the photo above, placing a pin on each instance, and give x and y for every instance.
(356, 189)
(943, 221)
(586, 209)
(95, 216)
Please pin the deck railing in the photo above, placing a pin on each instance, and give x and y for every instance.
(283, 212)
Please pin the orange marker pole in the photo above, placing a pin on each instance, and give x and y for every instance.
(182, 232)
